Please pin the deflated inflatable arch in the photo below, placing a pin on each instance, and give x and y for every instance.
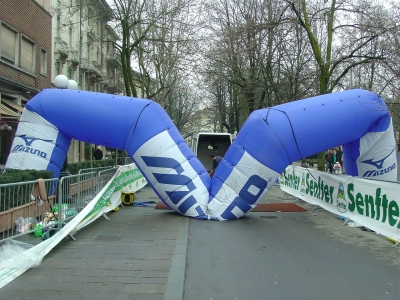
(268, 142)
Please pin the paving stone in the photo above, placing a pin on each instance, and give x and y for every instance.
(142, 288)
(128, 257)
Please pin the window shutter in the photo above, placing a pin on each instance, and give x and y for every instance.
(43, 62)
(27, 62)
(7, 44)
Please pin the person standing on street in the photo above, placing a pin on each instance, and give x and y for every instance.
(328, 161)
(216, 160)
(98, 154)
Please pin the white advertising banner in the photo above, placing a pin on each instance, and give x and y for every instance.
(371, 203)
(127, 179)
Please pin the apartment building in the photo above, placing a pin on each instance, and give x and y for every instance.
(40, 39)
(84, 52)
(25, 60)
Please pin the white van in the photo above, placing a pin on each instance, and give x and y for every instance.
(204, 144)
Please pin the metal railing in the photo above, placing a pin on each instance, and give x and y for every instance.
(128, 160)
(89, 170)
(103, 177)
(75, 192)
(21, 211)
(21, 214)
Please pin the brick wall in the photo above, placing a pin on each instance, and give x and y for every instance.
(31, 20)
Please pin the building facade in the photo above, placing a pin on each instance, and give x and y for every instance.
(40, 39)
(84, 51)
(25, 61)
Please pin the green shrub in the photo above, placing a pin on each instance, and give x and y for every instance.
(321, 161)
(14, 175)
(74, 168)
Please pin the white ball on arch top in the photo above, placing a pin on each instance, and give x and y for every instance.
(61, 81)
(72, 84)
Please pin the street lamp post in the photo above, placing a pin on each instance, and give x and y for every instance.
(5, 126)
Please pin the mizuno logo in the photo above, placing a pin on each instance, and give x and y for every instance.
(379, 163)
(27, 148)
(29, 140)
(381, 172)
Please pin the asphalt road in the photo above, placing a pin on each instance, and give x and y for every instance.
(308, 255)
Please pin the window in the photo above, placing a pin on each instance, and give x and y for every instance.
(27, 55)
(8, 44)
(43, 62)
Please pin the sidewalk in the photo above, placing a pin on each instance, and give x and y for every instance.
(139, 254)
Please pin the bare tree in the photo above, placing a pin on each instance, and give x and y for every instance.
(338, 36)
(257, 57)
(182, 101)
(136, 21)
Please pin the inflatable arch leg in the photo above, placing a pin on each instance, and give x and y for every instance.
(268, 142)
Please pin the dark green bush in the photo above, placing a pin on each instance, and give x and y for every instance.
(321, 161)
(74, 168)
(14, 175)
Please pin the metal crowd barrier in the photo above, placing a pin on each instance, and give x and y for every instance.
(22, 209)
(128, 160)
(74, 193)
(21, 214)
(89, 170)
(103, 177)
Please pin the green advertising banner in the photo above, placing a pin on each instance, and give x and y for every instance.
(374, 204)
(127, 179)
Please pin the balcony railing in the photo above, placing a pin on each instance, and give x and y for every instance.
(114, 62)
(95, 66)
(61, 46)
(74, 56)
(85, 64)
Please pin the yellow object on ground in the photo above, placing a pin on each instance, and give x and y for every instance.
(127, 198)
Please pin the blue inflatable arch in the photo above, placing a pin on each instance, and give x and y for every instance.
(268, 142)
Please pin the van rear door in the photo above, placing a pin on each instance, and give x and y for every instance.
(211, 143)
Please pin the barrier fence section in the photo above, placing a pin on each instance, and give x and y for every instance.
(128, 160)
(23, 206)
(127, 179)
(23, 211)
(104, 177)
(74, 193)
(374, 204)
(98, 169)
